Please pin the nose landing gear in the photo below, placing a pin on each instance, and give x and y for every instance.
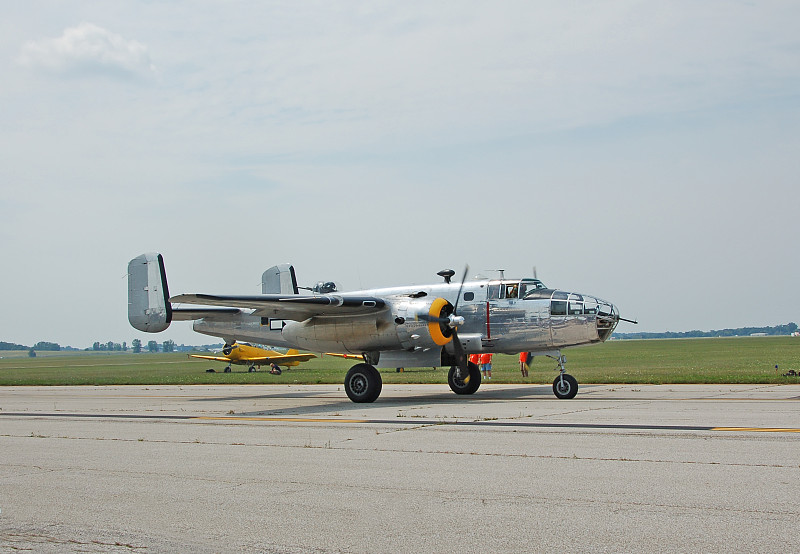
(565, 385)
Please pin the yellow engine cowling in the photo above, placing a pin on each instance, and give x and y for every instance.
(417, 333)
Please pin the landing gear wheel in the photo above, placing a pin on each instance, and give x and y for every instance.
(565, 389)
(227, 369)
(251, 369)
(465, 386)
(363, 383)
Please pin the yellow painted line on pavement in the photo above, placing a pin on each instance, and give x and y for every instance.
(284, 419)
(758, 429)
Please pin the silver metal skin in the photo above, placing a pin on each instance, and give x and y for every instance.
(504, 325)
(409, 326)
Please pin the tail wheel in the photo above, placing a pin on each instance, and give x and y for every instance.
(465, 386)
(566, 388)
(363, 383)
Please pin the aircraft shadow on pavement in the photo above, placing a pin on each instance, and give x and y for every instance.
(342, 406)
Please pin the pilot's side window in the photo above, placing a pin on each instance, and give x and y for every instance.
(512, 291)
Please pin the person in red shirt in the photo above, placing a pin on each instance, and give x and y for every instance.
(523, 363)
(486, 365)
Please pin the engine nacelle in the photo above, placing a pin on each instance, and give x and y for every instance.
(414, 331)
(400, 329)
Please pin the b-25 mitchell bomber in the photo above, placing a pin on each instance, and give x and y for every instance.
(409, 326)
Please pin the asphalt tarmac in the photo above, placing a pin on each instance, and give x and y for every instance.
(268, 468)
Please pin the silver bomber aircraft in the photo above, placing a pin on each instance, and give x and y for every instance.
(411, 326)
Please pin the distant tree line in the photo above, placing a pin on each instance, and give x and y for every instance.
(41, 346)
(12, 346)
(777, 330)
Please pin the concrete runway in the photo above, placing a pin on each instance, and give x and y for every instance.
(269, 468)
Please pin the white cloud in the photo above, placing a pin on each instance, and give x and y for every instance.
(88, 49)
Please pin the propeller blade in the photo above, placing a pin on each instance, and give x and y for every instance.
(433, 318)
(461, 357)
(460, 287)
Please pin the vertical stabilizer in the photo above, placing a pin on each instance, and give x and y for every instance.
(149, 309)
(279, 279)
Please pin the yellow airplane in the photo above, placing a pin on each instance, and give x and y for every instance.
(253, 356)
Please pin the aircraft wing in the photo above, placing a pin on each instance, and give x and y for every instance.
(215, 358)
(293, 307)
(346, 356)
(279, 358)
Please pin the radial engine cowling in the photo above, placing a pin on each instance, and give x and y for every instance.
(417, 333)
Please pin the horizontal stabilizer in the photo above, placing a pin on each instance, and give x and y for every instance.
(189, 314)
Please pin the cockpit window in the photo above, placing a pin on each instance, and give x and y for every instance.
(527, 286)
(512, 290)
(538, 294)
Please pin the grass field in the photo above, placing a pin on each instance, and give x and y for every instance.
(723, 360)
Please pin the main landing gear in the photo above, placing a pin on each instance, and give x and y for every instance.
(363, 383)
(464, 384)
(565, 385)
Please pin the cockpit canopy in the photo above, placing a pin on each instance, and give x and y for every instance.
(516, 288)
(562, 303)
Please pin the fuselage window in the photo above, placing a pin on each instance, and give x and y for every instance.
(469, 296)
(575, 304)
(558, 307)
(494, 292)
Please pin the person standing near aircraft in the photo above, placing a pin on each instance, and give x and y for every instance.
(486, 365)
(523, 363)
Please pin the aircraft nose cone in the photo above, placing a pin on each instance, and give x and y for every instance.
(607, 319)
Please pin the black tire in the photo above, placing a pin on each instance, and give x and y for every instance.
(566, 390)
(228, 369)
(251, 369)
(458, 386)
(363, 383)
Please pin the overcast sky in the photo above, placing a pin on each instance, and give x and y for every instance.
(644, 152)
